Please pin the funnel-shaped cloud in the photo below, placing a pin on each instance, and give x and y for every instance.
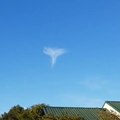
(54, 53)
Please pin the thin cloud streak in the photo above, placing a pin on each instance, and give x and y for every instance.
(54, 53)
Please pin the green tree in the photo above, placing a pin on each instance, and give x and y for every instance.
(15, 113)
(37, 111)
(19, 113)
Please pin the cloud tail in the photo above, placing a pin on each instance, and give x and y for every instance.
(54, 53)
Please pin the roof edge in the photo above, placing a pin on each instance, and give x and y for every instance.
(108, 102)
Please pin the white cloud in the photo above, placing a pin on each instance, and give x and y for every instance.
(54, 53)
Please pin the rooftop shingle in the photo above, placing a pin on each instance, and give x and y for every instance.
(86, 113)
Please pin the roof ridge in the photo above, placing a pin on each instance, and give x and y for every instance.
(112, 101)
(74, 107)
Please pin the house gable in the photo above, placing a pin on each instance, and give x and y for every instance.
(113, 107)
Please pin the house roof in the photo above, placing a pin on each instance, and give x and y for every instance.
(86, 113)
(114, 104)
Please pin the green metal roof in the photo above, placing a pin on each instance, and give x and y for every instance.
(86, 113)
(114, 104)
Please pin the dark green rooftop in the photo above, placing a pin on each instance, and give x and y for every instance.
(114, 104)
(86, 113)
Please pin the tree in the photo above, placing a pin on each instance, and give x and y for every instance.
(19, 113)
(15, 113)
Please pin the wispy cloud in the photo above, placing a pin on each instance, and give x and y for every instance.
(54, 53)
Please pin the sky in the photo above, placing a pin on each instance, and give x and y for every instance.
(59, 52)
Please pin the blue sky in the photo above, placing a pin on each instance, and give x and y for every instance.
(86, 75)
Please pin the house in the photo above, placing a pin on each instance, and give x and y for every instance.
(86, 113)
(113, 107)
(83, 112)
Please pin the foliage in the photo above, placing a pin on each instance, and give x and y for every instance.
(19, 113)
(15, 113)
